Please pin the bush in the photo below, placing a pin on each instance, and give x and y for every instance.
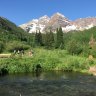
(16, 45)
(93, 51)
(86, 50)
(74, 47)
(1, 46)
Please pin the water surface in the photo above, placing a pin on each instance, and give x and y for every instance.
(48, 84)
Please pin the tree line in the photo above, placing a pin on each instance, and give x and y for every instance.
(75, 42)
(50, 40)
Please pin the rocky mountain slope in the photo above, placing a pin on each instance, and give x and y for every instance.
(85, 23)
(46, 23)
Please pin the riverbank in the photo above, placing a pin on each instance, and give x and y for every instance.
(46, 60)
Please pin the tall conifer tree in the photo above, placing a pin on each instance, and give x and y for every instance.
(38, 39)
(49, 41)
(59, 39)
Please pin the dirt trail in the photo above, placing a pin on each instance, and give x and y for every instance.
(5, 55)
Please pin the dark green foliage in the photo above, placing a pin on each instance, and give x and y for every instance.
(16, 45)
(9, 31)
(1, 46)
(49, 40)
(83, 38)
(74, 47)
(31, 39)
(38, 39)
(93, 51)
(59, 39)
(86, 50)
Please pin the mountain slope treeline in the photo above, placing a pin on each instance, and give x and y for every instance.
(10, 33)
(75, 42)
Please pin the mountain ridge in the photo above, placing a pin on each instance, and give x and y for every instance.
(57, 20)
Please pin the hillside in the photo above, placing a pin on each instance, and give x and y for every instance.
(13, 37)
(9, 31)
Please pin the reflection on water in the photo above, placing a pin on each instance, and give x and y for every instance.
(48, 84)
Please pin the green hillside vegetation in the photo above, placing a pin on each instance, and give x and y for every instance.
(10, 34)
(52, 51)
(9, 31)
(80, 40)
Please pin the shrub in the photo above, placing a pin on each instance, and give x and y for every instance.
(74, 47)
(16, 45)
(1, 46)
(93, 51)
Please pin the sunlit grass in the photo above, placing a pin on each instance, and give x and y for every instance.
(48, 59)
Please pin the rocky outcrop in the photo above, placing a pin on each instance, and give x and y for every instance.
(58, 20)
(84, 23)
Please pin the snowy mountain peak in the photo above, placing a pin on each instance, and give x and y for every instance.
(59, 14)
(35, 20)
(57, 20)
(44, 17)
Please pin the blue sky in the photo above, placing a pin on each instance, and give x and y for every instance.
(21, 11)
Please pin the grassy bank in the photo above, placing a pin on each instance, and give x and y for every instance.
(47, 59)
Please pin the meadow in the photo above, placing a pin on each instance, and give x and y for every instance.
(55, 59)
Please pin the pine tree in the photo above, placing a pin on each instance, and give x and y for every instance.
(49, 40)
(38, 39)
(59, 39)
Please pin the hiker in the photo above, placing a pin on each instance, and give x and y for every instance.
(31, 53)
(18, 52)
(14, 51)
(22, 52)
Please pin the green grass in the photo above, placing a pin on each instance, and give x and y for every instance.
(48, 59)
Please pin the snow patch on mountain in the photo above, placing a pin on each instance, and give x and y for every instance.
(59, 14)
(69, 28)
(57, 20)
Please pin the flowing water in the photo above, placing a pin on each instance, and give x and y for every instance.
(48, 84)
